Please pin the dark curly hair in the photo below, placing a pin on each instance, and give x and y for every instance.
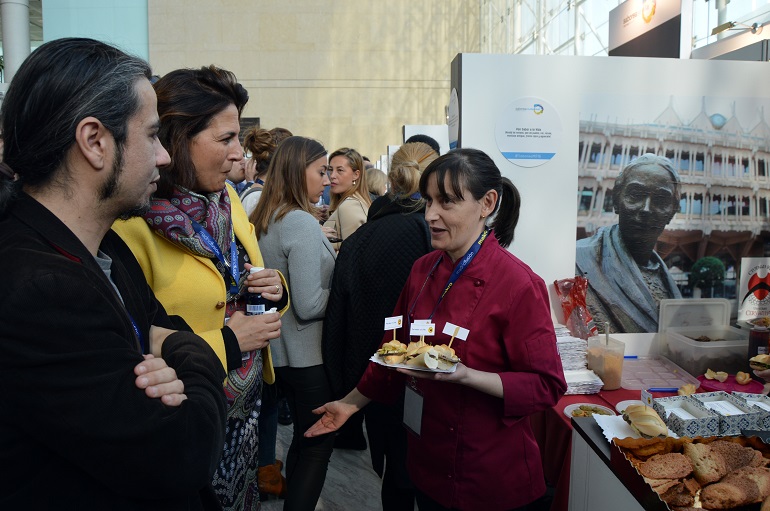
(187, 101)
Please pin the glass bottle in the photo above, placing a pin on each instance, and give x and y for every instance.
(255, 304)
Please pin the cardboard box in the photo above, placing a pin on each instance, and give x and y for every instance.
(735, 414)
(760, 401)
(687, 417)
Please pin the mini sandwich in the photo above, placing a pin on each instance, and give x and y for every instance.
(760, 362)
(645, 421)
(425, 356)
(411, 350)
(446, 357)
(392, 352)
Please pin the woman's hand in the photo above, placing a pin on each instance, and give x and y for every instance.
(488, 383)
(456, 376)
(266, 283)
(255, 332)
(335, 414)
(330, 233)
(159, 381)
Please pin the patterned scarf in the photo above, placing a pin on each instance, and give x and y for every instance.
(170, 218)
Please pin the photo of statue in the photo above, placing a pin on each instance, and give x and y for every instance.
(627, 279)
(673, 193)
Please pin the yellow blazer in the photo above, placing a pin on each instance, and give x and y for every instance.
(189, 285)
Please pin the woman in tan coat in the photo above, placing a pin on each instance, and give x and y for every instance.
(349, 195)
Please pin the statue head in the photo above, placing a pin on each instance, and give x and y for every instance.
(646, 198)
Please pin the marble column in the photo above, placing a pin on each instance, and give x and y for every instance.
(16, 45)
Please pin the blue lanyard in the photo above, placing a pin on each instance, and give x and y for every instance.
(260, 182)
(138, 333)
(459, 269)
(233, 266)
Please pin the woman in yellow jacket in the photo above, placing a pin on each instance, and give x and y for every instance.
(196, 246)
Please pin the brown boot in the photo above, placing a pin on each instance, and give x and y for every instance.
(271, 481)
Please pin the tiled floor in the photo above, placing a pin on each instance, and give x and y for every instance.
(351, 484)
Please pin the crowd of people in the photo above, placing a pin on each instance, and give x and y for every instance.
(137, 233)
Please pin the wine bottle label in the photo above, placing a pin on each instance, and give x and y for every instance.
(255, 309)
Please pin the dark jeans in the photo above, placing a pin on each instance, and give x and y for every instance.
(425, 503)
(268, 424)
(305, 388)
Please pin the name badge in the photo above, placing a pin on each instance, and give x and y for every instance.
(413, 410)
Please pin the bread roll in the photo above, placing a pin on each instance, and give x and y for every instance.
(411, 350)
(760, 362)
(392, 352)
(427, 357)
(645, 421)
(446, 357)
(394, 359)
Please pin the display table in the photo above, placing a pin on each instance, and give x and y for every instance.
(597, 484)
(553, 432)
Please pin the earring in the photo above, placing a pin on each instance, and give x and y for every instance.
(354, 183)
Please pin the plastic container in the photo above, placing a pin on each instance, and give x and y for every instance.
(698, 356)
(654, 373)
(684, 321)
(605, 358)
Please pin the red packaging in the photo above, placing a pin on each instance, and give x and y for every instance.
(572, 294)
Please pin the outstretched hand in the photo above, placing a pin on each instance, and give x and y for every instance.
(335, 414)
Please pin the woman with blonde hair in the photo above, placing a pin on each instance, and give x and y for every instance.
(292, 242)
(377, 182)
(349, 195)
(361, 298)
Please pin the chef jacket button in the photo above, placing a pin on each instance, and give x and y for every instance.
(451, 430)
(449, 476)
(477, 283)
(220, 305)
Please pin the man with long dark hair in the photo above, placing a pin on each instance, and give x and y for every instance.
(105, 405)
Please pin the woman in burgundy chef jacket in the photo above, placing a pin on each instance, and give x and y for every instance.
(470, 443)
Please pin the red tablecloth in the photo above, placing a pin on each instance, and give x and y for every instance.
(553, 432)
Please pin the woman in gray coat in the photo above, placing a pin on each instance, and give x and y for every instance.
(292, 242)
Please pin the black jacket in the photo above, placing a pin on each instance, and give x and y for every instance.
(372, 267)
(75, 431)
